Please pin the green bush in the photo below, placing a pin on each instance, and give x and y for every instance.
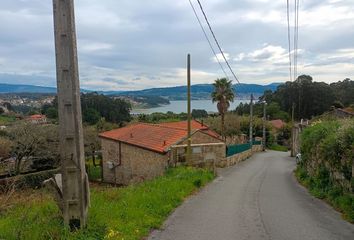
(320, 186)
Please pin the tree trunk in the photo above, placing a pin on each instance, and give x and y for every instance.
(223, 126)
(18, 165)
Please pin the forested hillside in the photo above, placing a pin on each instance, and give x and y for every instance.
(309, 98)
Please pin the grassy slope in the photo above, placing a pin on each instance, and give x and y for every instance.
(343, 202)
(115, 213)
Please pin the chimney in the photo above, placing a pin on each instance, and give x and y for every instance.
(131, 135)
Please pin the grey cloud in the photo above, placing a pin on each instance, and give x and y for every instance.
(149, 40)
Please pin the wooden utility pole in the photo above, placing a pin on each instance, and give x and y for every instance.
(264, 127)
(75, 188)
(251, 121)
(189, 150)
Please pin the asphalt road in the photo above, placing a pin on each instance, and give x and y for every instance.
(257, 199)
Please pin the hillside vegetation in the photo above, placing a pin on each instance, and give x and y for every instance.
(309, 99)
(327, 149)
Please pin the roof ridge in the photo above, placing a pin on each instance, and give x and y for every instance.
(164, 126)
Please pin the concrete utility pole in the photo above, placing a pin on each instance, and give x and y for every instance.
(75, 188)
(251, 121)
(264, 127)
(189, 150)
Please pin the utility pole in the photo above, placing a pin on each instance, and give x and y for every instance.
(264, 122)
(292, 113)
(251, 121)
(189, 150)
(75, 186)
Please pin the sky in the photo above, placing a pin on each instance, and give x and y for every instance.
(131, 45)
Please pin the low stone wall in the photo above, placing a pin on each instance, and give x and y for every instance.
(239, 157)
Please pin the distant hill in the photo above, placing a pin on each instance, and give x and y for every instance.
(199, 91)
(14, 88)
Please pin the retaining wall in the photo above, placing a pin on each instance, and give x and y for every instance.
(239, 157)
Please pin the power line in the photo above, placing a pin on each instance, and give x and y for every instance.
(207, 38)
(296, 33)
(216, 41)
(289, 41)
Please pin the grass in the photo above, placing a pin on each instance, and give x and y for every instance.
(277, 147)
(332, 194)
(116, 213)
(94, 173)
(5, 120)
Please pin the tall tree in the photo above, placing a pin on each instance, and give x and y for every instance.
(223, 94)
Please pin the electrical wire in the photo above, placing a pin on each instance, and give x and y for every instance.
(216, 41)
(296, 38)
(297, 34)
(207, 38)
(289, 40)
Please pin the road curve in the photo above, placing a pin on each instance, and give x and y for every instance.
(257, 199)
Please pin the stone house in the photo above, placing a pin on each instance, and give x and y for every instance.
(37, 119)
(143, 151)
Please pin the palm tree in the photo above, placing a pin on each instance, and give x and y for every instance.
(223, 94)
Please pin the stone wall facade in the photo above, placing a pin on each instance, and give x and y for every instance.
(203, 155)
(131, 164)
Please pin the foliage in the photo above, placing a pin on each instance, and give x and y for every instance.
(320, 185)
(308, 98)
(94, 171)
(277, 147)
(91, 142)
(95, 106)
(1, 110)
(235, 125)
(199, 113)
(147, 101)
(343, 91)
(273, 111)
(5, 147)
(6, 119)
(35, 141)
(116, 213)
(113, 110)
(223, 94)
(102, 125)
(91, 116)
(284, 135)
(327, 149)
(158, 117)
(50, 112)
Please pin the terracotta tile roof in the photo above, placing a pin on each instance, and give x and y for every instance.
(155, 137)
(36, 116)
(277, 123)
(196, 125)
(150, 136)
